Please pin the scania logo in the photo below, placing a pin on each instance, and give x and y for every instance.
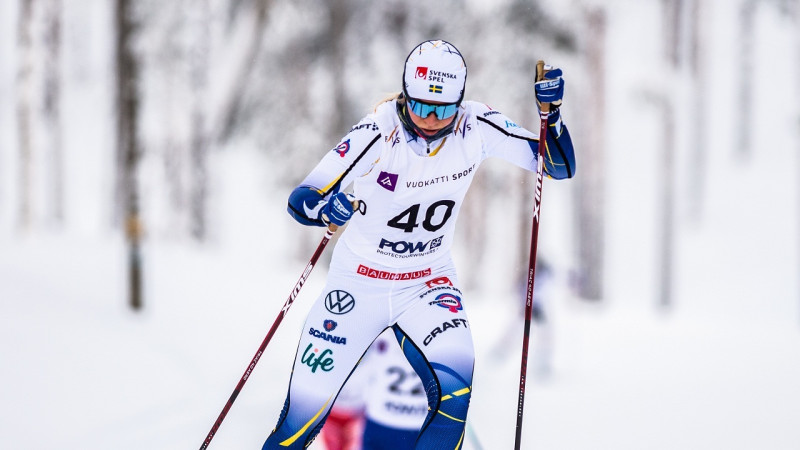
(339, 302)
(329, 325)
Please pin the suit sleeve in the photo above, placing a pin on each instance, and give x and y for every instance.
(505, 139)
(349, 159)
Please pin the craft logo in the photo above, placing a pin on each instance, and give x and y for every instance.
(387, 180)
(422, 72)
(455, 323)
(316, 360)
(369, 125)
(343, 148)
(449, 301)
(339, 302)
(329, 325)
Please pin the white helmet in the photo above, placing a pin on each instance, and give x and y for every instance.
(435, 71)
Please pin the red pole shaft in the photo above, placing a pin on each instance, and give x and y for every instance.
(537, 203)
(328, 234)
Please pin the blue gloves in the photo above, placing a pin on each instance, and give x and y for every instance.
(338, 210)
(308, 207)
(551, 89)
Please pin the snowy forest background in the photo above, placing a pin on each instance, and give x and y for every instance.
(147, 149)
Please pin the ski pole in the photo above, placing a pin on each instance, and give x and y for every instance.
(537, 204)
(328, 235)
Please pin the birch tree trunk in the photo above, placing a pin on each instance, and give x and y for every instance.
(225, 122)
(591, 200)
(698, 167)
(52, 111)
(128, 151)
(24, 112)
(199, 140)
(745, 53)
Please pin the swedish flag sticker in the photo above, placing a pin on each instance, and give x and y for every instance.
(435, 88)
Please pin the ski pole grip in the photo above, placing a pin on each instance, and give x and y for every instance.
(333, 227)
(545, 107)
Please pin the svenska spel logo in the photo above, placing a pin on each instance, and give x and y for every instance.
(422, 72)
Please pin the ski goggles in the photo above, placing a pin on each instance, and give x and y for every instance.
(423, 109)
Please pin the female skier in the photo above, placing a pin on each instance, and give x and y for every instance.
(410, 163)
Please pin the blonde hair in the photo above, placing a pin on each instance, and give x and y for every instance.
(389, 97)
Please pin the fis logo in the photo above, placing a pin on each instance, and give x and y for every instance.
(393, 137)
(462, 128)
(403, 247)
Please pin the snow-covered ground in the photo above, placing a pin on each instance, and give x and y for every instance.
(719, 370)
(80, 371)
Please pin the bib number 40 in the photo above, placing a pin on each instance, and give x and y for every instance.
(436, 216)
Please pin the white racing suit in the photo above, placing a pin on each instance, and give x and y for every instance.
(392, 265)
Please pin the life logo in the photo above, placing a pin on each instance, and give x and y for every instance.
(342, 148)
(450, 301)
(339, 302)
(315, 359)
(422, 72)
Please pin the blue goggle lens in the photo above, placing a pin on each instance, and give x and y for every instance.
(424, 109)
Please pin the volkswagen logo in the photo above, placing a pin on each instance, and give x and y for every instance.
(339, 302)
